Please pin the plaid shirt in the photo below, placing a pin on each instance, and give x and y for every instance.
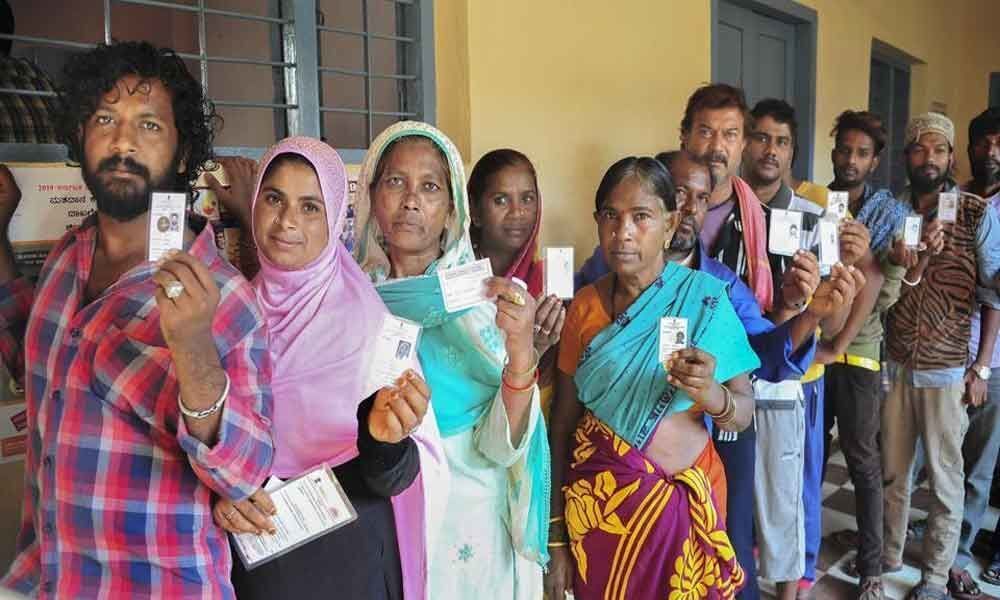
(118, 494)
(25, 118)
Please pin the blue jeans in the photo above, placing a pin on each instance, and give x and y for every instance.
(737, 454)
(812, 473)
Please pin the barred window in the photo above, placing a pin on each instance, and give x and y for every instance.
(338, 69)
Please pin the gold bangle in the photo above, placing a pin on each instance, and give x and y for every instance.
(558, 544)
(727, 404)
(506, 365)
(556, 519)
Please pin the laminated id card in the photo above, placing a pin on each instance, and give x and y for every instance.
(394, 351)
(673, 336)
(829, 243)
(785, 234)
(836, 205)
(947, 207)
(307, 507)
(912, 231)
(166, 224)
(463, 286)
(559, 272)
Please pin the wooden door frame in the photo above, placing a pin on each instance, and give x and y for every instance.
(805, 21)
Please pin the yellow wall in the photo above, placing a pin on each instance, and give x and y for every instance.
(578, 85)
(952, 39)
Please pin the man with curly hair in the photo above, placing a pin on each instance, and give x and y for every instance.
(147, 384)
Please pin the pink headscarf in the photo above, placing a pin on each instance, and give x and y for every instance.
(322, 320)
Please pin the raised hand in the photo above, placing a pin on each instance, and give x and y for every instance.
(399, 410)
(187, 311)
(549, 319)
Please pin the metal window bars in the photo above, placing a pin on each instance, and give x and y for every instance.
(295, 27)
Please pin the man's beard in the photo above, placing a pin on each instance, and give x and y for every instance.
(681, 243)
(124, 202)
(983, 174)
(841, 178)
(922, 181)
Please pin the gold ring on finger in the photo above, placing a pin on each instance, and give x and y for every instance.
(515, 298)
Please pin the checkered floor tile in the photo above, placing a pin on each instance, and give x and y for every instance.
(832, 583)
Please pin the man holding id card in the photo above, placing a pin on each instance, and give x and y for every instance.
(934, 386)
(148, 381)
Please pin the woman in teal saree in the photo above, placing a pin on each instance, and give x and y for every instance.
(639, 518)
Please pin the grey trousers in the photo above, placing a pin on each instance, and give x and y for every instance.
(779, 513)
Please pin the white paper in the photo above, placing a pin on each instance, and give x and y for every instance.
(394, 352)
(559, 272)
(307, 507)
(836, 205)
(54, 199)
(785, 234)
(673, 336)
(947, 207)
(911, 231)
(166, 223)
(829, 243)
(464, 286)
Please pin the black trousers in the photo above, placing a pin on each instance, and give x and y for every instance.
(853, 401)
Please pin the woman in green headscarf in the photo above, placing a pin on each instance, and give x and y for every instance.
(480, 364)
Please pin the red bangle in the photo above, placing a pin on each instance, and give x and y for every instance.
(503, 382)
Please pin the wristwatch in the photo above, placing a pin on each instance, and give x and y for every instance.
(982, 371)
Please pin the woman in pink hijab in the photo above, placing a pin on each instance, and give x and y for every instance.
(323, 316)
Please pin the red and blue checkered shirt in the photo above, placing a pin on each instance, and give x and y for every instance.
(118, 495)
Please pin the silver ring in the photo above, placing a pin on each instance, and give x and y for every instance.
(537, 327)
(174, 289)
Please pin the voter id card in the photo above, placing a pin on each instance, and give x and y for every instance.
(559, 272)
(785, 234)
(673, 336)
(836, 205)
(166, 223)
(829, 243)
(912, 231)
(394, 351)
(307, 507)
(947, 207)
(464, 286)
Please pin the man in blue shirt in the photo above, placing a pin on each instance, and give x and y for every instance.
(785, 351)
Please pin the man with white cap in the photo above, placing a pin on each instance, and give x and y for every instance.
(928, 343)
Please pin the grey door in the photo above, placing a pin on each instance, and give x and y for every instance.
(889, 98)
(757, 53)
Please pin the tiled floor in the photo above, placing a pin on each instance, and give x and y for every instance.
(838, 514)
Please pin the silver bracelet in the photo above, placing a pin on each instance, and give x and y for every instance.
(913, 283)
(205, 412)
